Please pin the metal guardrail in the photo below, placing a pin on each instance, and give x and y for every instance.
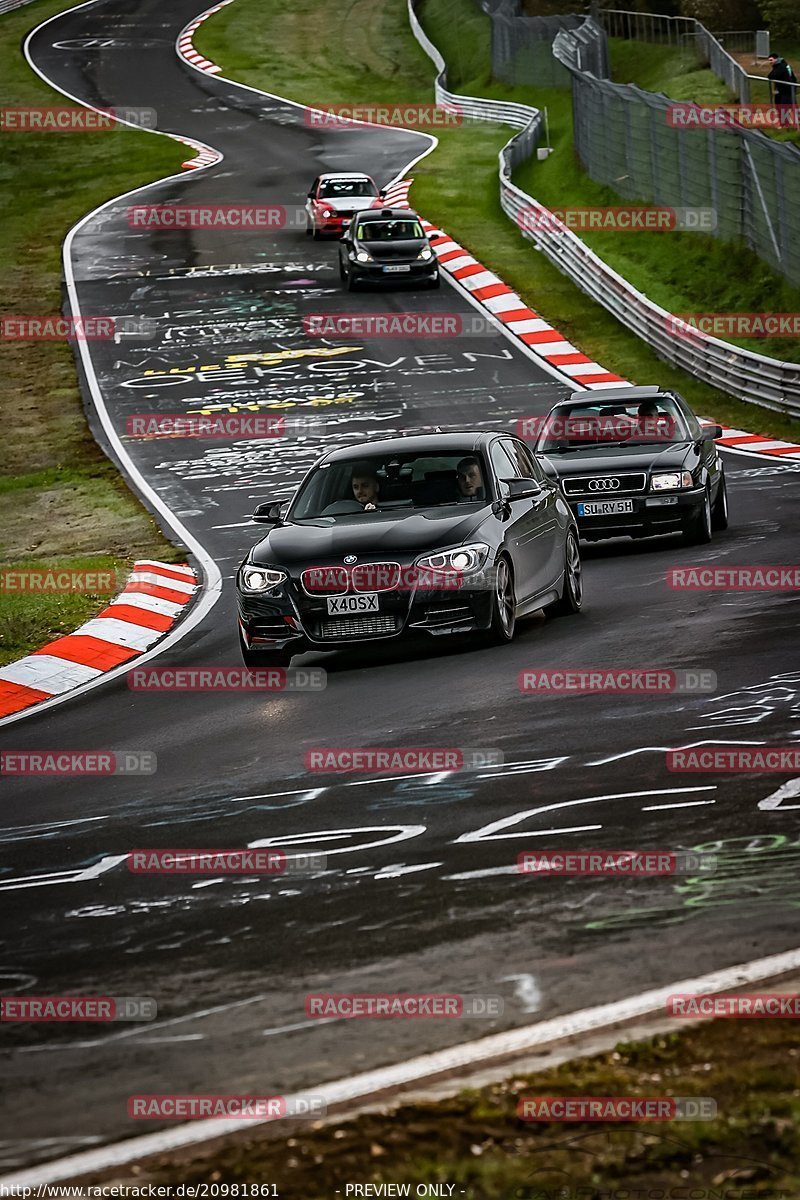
(767, 382)
(10, 5)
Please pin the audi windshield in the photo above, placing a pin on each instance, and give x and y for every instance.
(576, 426)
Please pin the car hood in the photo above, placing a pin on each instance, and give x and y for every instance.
(401, 248)
(606, 460)
(370, 535)
(348, 203)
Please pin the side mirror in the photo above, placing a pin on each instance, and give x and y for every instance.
(269, 513)
(310, 195)
(520, 489)
(710, 433)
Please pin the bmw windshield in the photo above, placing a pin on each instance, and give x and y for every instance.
(348, 487)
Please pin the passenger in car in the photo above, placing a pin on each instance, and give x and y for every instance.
(366, 486)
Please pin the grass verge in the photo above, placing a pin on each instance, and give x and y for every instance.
(304, 52)
(476, 1141)
(61, 500)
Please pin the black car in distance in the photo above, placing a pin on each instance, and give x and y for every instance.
(443, 533)
(387, 246)
(635, 461)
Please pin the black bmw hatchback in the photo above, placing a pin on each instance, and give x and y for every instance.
(444, 533)
(635, 461)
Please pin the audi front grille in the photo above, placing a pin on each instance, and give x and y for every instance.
(622, 484)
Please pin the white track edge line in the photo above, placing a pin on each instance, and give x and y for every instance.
(471, 1054)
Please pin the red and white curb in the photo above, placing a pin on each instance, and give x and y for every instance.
(536, 334)
(395, 194)
(149, 605)
(206, 157)
(740, 439)
(186, 45)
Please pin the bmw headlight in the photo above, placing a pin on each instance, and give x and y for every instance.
(425, 253)
(261, 579)
(671, 481)
(328, 212)
(465, 559)
(363, 256)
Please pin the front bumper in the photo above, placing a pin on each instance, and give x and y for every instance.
(416, 272)
(293, 621)
(651, 515)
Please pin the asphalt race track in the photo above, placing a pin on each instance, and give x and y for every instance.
(420, 891)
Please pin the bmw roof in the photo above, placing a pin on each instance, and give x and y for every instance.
(468, 439)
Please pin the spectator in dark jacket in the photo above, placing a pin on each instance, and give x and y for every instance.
(784, 84)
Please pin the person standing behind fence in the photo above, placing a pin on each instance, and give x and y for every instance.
(784, 86)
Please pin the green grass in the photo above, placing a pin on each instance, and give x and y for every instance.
(319, 58)
(29, 620)
(59, 496)
(476, 1141)
(672, 70)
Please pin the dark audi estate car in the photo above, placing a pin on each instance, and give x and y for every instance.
(444, 533)
(387, 245)
(635, 461)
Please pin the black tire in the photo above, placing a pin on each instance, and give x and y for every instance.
(571, 597)
(504, 603)
(697, 530)
(719, 513)
(342, 272)
(435, 283)
(308, 228)
(351, 283)
(315, 233)
(263, 660)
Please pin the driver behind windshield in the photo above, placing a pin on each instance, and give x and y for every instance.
(365, 485)
(469, 480)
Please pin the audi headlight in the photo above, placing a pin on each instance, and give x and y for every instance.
(465, 559)
(363, 256)
(261, 579)
(425, 253)
(670, 481)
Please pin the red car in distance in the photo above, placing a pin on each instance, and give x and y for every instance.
(334, 199)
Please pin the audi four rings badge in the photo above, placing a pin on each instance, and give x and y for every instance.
(603, 485)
